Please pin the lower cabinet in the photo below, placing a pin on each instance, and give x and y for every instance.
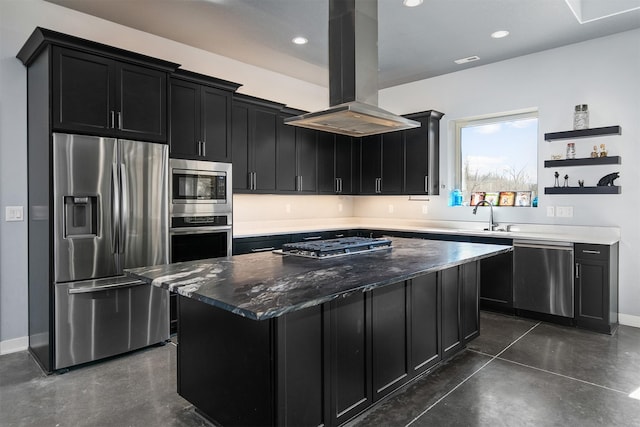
(596, 287)
(325, 364)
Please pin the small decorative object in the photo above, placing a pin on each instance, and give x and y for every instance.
(476, 198)
(566, 180)
(607, 180)
(581, 182)
(571, 150)
(507, 198)
(523, 198)
(492, 198)
(603, 150)
(594, 153)
(556, 183)
(556, 156)
(581, 117)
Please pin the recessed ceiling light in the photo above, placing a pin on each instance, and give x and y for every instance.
(300, 40)
(467, 59)
(500, 34)
(412, 3)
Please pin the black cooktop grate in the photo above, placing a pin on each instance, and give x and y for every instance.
(335, 247)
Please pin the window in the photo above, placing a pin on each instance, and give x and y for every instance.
(498, 154)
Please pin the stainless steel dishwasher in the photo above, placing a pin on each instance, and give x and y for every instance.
(543, 277)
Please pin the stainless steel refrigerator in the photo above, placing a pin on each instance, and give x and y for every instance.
(110, 212)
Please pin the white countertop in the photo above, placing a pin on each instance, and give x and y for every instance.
(552, 233)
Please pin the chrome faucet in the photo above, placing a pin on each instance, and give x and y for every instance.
(492, 225)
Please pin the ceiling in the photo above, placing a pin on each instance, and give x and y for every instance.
(414, 43)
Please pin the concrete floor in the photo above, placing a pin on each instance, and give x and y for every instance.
(517, 373)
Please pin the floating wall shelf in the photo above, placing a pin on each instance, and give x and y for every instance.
(583, 133)
(614, 189)
(587, 161)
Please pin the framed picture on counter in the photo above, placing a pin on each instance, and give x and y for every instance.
(507, 198)
(476, 198)
(492, 198)
(523, 198)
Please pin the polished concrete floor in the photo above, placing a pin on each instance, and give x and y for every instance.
(517, 373)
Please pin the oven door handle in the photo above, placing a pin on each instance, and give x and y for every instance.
(200, 230)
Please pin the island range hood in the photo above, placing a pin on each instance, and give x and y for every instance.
(353, 76)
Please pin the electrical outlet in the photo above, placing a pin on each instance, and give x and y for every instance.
(391, 209)
(14, 213)
(425, 209)
(287, 208)
(564, 211)
(339, 207)
(551, 211)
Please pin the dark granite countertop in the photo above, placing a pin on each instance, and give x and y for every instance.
(265, 285)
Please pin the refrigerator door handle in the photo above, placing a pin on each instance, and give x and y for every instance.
(115, 209)
(87, 290)
(124, 227)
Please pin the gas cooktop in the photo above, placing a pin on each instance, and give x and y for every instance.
(330, 248)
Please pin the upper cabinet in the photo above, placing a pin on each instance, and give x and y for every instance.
(335, 158)
(296, 157)
(97, 89)
(422, 151)
(254, 125)
(404, 162)
(200, 117)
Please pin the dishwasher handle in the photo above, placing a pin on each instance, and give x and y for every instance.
(560, 246)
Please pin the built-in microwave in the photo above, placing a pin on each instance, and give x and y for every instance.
(199, 188)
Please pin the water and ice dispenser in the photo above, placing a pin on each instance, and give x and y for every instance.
(80, 216)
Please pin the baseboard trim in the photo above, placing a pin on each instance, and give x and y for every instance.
(629, 320)
(14, 345)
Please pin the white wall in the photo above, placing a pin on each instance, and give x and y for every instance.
(18, 18)
(602, 73)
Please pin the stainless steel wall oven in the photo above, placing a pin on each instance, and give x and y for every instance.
(201, 213)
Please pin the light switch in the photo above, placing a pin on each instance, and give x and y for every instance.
(551, 211)
(14, 213)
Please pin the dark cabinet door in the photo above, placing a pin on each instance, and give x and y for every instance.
(263, 139)
(254, 130)
(390, 337)
(306, 158)
(185, 119)
(327, 183)
(470, 310)
(422, 150)
(286, 178)
(451, 315)
(215, 107)
(424, 323)
(350, 350)
(343, 164)
(242, 174)
(300, 370)
(141, 108)
(496, 282)
(83, 91)
(392, 159)
(370, 164)
(596, 290)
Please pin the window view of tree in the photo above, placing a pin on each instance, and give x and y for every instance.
(499, 156)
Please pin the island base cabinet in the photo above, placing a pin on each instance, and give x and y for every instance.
(325, 364)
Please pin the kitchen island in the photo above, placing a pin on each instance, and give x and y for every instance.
(266, 339)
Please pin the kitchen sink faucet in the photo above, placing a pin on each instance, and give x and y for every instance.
(492, 225)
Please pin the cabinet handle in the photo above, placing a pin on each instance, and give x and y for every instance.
(339, 235)
(204, 148)
(112, 120)
(577, 270)
(119, 120)
(255, 181)
(262, 249)
(336, 187)
(587, 251)
(340, 184)
(312, 238)
(300, 186)
(426, 184)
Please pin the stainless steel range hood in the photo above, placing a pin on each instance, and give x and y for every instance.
(353, 76)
